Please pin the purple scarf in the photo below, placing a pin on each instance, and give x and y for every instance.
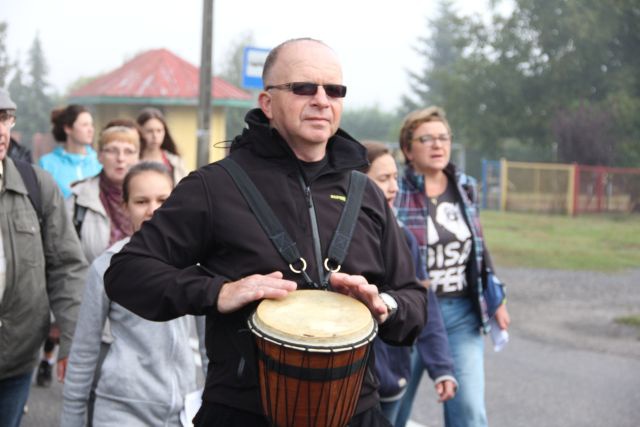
(111, 198)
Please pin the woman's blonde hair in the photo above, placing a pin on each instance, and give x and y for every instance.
(119, 133)
(414, 119)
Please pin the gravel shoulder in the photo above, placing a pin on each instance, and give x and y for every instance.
(568, 364)
(575, 308)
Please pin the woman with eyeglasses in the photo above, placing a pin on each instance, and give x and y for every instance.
(437, 202)
(150, 366)
(157, 144)
(74, 159)
(393, 364)
(95, 204)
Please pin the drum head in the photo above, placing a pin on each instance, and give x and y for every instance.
(315, 318)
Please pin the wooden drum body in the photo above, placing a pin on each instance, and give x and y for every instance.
(313, 349)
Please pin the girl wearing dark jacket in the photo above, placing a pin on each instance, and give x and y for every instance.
(394, 365)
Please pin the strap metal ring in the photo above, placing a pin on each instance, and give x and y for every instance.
(303, 268)
(333, 270)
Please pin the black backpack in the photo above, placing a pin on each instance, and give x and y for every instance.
(30, 180)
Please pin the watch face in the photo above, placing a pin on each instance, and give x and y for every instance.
(389, 301)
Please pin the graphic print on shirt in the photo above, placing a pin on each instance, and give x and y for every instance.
(448, 246)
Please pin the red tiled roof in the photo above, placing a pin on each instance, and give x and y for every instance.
(156, 74)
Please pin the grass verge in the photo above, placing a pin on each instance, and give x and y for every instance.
(633, 320)
(595, 243)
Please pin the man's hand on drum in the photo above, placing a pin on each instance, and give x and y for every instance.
(234, 295)
(358, 287)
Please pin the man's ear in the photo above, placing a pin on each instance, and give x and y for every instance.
(264, 101)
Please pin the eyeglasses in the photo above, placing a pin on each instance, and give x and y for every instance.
(7, 119)
(114, 152)
(310, 89)
(431, 139)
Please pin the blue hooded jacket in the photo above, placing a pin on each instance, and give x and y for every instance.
(69, 167)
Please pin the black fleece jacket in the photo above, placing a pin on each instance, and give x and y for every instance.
(206, 221)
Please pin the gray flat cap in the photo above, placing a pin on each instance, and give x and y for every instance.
(5, 101)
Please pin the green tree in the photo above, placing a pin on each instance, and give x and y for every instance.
(506, 82)
(5, 64)
(40, 101)
(231, 71)
(19, 93)
(371, 123)
(31, 94)
(442, 50)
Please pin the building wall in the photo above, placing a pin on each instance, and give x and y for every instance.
(183, 122)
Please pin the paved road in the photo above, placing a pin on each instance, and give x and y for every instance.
(567, 364)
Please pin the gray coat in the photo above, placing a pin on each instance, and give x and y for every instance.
(96, 226)
(31, 289)
(147, 372)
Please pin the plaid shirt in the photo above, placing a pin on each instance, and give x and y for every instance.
(411, 205)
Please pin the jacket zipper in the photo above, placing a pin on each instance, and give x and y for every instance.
(314, 229)
(174, 380)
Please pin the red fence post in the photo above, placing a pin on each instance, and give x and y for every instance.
(599, 188)
(576, 190)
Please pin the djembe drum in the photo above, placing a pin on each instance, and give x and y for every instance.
(313, 349)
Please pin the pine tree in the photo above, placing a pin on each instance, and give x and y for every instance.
(5, 65)
(31, 94)
(39, 100)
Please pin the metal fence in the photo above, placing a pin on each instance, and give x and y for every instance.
(569, 189)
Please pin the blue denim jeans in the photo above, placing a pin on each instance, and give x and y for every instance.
(390, 410)
(467, 409)
(14, 393)
(467, 348)
(406, 402)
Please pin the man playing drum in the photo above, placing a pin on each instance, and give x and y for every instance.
(205, 253)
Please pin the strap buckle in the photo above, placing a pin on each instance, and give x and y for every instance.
(302, 268)
(329, 268)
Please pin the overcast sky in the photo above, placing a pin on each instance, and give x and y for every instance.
(374, 39)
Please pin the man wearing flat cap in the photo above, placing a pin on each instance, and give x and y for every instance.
(42, 268)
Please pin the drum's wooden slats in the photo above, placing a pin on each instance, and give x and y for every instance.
(307, 384)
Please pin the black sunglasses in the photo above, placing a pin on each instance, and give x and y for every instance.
(310, 89)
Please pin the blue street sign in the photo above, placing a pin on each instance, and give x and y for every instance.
(252, 64)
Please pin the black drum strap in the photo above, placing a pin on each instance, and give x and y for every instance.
(339, 246)
(267, 219)
(278, 235)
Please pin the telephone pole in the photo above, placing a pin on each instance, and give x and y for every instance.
(204, 99)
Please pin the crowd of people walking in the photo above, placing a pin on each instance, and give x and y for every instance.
(100, 255)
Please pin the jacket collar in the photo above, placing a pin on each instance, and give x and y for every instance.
(87, 193)
(73, 158)
(343, 151)
(417, 180)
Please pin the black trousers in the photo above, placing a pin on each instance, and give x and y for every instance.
(216, 415)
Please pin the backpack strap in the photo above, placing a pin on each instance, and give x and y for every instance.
(79, 212)
(34, 194)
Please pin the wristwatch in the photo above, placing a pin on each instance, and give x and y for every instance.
(390, 302)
